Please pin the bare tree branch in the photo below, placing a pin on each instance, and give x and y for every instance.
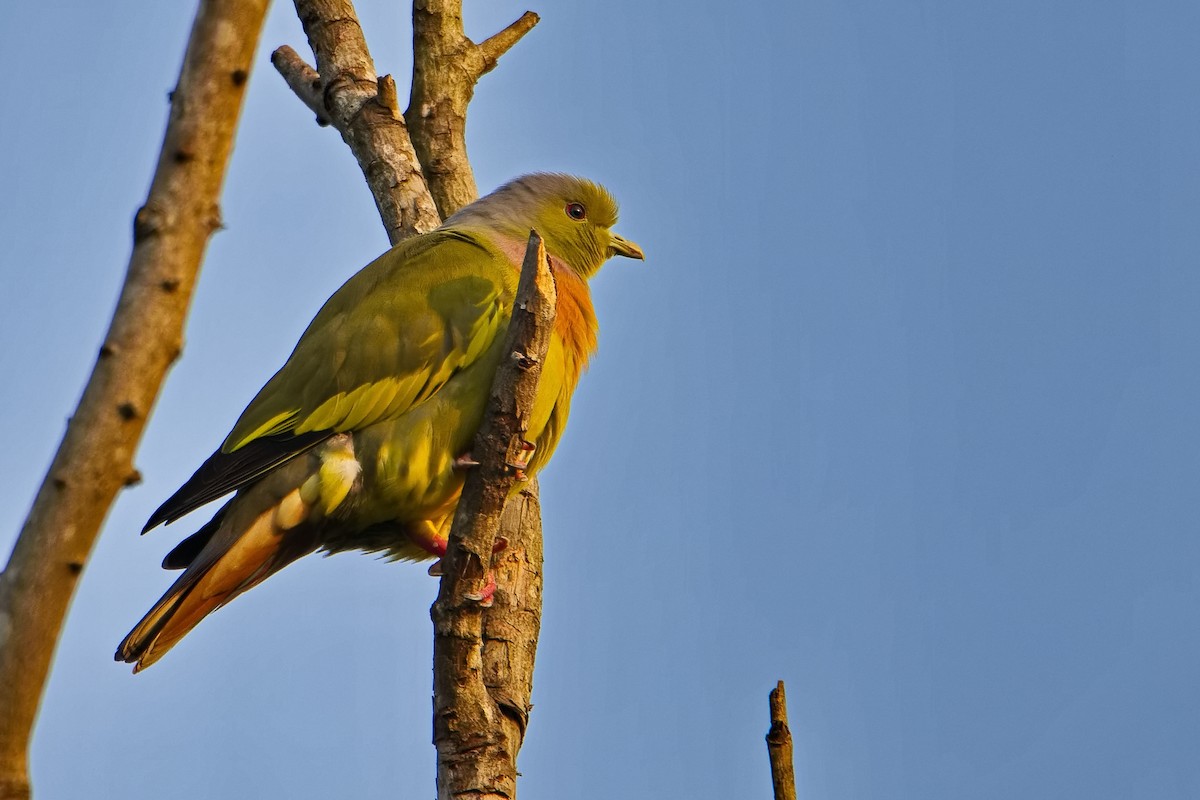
(95, 458)
(363, 109)
(446, 67)
(343, 91)
(478, 728)
(301, 79)
(498, 44)
(779, 747)
(511, 626)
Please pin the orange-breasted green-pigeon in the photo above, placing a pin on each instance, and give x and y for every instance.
(359, 441)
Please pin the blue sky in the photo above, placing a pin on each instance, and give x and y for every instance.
(901, 409)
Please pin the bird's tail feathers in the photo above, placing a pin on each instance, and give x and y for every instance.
(229, 564)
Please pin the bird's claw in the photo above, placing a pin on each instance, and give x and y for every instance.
(465, 461)
(487, 595)
(520, 453)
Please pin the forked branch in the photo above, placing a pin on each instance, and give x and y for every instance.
(446, 67)
(483, 662)
(345, 92)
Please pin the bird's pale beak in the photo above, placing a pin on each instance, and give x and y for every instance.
(624, 247)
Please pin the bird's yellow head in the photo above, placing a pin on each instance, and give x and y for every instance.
(573, 216)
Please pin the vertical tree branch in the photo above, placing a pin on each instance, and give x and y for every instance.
(779, 747)
(511, 626)
(345, 92)
(95, 458)
(446, 67)
(478, 728)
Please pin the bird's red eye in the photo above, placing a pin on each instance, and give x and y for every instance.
(576, 211)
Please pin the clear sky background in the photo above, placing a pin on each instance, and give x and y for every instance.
(902, 408)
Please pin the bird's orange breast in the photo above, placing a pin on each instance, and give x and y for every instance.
(575, 321)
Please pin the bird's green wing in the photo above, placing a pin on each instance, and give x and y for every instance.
(383, 343)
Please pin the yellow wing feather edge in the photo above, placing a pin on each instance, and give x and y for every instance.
(419, 315)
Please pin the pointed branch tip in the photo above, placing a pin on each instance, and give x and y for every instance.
(779, 747)
(387, 95)
(499, 44)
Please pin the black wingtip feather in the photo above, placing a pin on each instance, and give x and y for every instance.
(224, 472)
(184, 553)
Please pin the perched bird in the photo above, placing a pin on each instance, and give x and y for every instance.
(360, 441)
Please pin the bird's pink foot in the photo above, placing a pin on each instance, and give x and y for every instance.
(487, 595)
(436, 545)
(435, 569)
(520, 453)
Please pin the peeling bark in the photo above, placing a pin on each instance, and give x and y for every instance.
(345, 92)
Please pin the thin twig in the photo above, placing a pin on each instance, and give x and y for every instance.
(779, 747)
(477, 731)
(498, 44)
(301, 79)
(95, 458)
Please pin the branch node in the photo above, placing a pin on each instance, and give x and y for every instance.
(386, 95)
(525, 361)
(147, 222)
